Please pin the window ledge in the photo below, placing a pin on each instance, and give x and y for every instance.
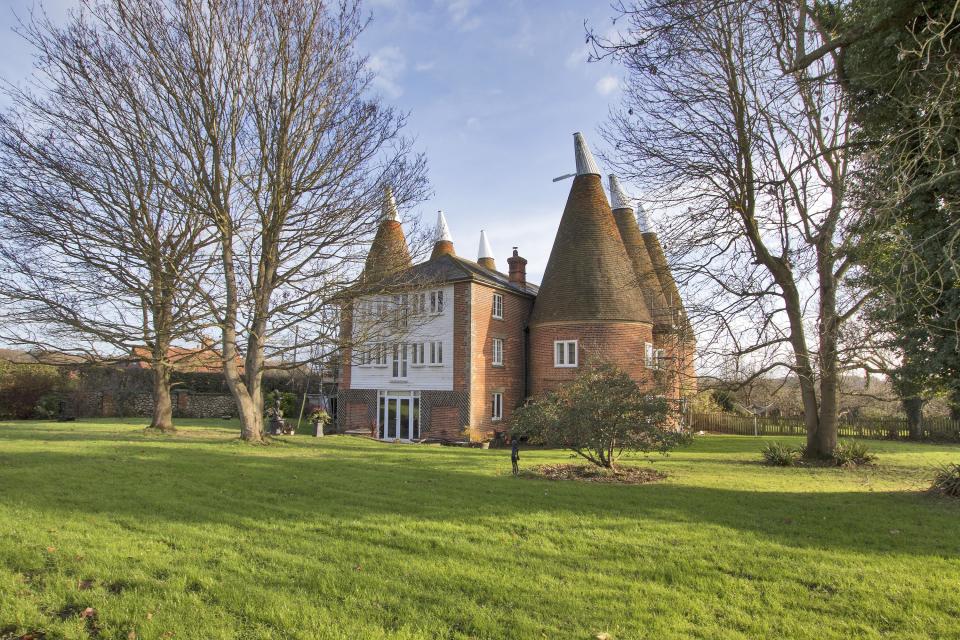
(564, 366)
(498, 366)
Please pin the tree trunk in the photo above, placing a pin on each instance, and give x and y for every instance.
(913, 407)
(162, 402)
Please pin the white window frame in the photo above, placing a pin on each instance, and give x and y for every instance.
(649, 356)
(436, 301)
(436, 354)
(399, 361)
(497, 356)
(498, 306)
(417, 356)
(562, 362)
(496, 413)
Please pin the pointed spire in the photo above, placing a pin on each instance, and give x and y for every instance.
(643, 220)
(389, 205)
(442, 231)
(618, 197)
(485, 253)
(585, 162)
(442, 240)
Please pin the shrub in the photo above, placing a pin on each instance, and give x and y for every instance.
(946, 480)
(23, 385)
(853, 453)
(598, 415)
(779, 454)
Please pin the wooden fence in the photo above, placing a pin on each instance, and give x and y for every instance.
(933, 428)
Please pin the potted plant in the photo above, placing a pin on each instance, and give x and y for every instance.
(319, 418)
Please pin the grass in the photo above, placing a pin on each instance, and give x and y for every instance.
(199, 536)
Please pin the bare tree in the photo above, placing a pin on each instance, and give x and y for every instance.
(287, 158)
(97, 255)
(749, 157)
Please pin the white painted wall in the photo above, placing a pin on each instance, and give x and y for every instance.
(425, 328)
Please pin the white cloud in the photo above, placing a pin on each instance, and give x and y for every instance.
(460, 13)
(578, 57)
(607, 85)
(425, 66)
(388, 63)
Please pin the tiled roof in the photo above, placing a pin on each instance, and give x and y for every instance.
(388, 253)
(646, 276)
(451, 268)
(589, 275)
(667, 284)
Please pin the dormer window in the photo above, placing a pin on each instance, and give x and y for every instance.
(565, 353)
(498, 306)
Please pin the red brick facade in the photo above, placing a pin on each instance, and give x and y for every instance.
(618, 343)
(508, 379)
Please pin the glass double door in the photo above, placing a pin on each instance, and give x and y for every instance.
(399, 418)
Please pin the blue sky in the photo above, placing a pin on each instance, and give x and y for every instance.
(495, 90)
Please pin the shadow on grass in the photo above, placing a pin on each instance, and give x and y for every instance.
(134, 485)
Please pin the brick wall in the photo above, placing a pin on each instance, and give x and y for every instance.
(486, 378)
(619, 343)
(444, 424)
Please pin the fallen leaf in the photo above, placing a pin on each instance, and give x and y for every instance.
(83, 585)
(149, 616)
(604, 636)
(51, 549)
(132, 635)
(89, 612)
(894, 532)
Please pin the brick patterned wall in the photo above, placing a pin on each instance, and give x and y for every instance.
(356, 409)
(487, 379)
(443, 424)
(619, 343)
(443, 414)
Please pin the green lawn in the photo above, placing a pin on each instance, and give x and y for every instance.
(198, 536)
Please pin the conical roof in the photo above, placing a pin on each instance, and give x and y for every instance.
(646, 275)
(667, 284)
(589, 276)
(388, 253)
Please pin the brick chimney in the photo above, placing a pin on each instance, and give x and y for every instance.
(518, 268)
